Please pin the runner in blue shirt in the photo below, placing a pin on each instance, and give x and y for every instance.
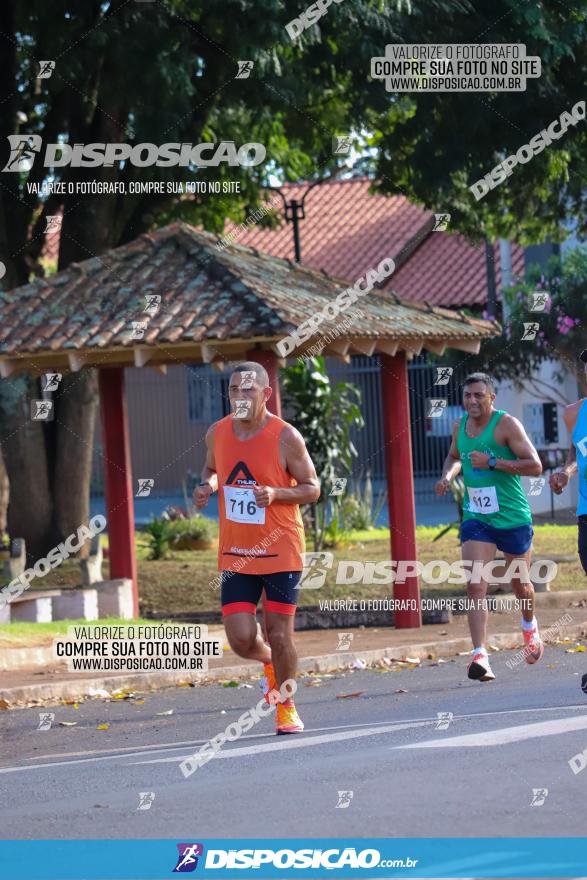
(575, 418)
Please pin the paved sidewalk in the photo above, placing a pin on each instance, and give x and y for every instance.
(317, 651)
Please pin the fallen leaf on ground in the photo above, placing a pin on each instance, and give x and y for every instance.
(184, 684)
(443, 632)
(314, 684)
(103, 726)
(67, 723)
(551, 665)
(348, 696)
(230, 684)
(3, 704)
(494, 647)
(578, 649)
(167, 712)
(400, 691)
(138, 702)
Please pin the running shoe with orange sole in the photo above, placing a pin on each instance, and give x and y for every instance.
(287, 720)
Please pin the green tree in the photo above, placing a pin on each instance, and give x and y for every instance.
(324, 414)
(558, 290)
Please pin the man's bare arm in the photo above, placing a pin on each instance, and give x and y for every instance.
(208, 477)
(452, 463)
(209, 474)
(299, 464)
(528, 463)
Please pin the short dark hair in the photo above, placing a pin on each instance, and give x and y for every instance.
(260, 372)
(480, 377)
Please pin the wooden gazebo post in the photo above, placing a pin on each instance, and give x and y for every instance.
(118, 478)
(268, 359)
(400, 478)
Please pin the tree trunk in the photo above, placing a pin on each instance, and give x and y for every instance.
(4, 494)
(76, 404)
(30, 513)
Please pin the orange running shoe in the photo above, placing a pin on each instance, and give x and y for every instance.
(269, 684)
(287, 720)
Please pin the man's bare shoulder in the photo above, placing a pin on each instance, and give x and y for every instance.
(291, 435)
(211, 431)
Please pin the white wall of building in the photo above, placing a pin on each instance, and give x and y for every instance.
(514, 401)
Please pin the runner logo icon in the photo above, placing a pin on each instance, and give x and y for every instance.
(187, 860)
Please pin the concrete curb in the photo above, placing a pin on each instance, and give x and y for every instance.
(50, 692)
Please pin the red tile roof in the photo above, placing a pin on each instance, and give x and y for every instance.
(346, 229)
(210, 297)
(448, 270)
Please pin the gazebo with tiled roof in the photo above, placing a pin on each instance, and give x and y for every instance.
(218, 304)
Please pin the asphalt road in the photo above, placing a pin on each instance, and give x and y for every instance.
(408, 776)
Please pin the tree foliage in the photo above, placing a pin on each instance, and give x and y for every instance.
(324, 413)
(138, 72)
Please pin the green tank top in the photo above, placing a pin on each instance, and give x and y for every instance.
(494, 497)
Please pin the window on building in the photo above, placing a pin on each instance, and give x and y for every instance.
(207, 394)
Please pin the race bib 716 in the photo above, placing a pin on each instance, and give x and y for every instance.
(241, 506)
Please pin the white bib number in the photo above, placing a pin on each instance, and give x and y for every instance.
(241, 506)
(483, 500)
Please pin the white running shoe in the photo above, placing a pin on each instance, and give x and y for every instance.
(479, 668)
(534, 646)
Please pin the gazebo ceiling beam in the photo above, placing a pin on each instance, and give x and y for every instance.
(338, 346)
(387, 346)
(143, 355)
(470, 345)
(365, 345)
(76, 361)
(436, 347)
(8, 366)
(413, 347)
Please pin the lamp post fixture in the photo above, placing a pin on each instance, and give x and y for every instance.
(294, 212)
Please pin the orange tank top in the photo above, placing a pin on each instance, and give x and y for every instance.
(255, 540)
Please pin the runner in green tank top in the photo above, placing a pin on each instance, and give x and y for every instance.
(493, 451)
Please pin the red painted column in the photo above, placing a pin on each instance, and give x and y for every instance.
(118, 478)
(268, 359)
(400, 478)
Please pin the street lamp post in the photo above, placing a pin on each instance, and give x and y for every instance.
(294, 212)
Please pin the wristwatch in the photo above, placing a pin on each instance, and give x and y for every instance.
(492, 461)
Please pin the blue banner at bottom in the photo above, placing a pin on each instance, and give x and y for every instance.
(380, 858)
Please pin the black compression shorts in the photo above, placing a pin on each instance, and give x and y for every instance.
(241, 592)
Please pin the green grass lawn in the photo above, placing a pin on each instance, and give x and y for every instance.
(20, 635)
(183, 582)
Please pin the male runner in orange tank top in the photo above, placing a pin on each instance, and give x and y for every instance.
(261, 469)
